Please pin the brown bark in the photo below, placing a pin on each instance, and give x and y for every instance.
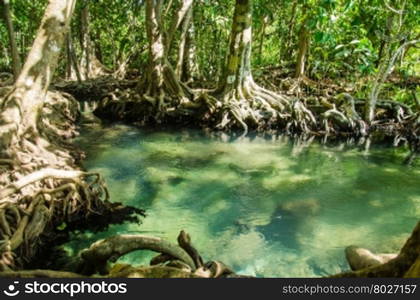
(85, 40)
(303, 46)
(72, 68)
(292, 22)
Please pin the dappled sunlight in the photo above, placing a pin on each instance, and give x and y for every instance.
(256, 204)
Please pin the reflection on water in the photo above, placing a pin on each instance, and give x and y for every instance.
(264, 206)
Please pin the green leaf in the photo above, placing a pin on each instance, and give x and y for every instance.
(62, 226)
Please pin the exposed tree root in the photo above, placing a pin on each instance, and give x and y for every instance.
(252, 107)
(406, 264)
(183, 257)
(166, 94)
(41, 186)
(181, 260)
(93, 90)
(110, 249)
(184, 261)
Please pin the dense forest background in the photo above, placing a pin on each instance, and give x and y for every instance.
(342, 44)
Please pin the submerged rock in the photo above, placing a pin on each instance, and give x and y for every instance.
(305, 207)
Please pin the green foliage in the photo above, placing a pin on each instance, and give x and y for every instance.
(347, 37)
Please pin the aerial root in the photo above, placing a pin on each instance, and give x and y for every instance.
(24, 220)
(256, 107)
(252, 107)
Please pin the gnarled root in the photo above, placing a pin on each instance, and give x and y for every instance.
(147, 103)
(97, 256)
(24, 218)
(342, 116)
(251, 105)
(182, 257)
(40, 185)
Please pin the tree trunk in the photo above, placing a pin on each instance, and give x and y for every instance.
(72, 68)
(287, 49)
(156, 46)
(383, 64)
(85, 40)
(12, 40)
(238, 69)
(160, 86)
(183, 49)
(69, 65)
(190, 69)
(245, 101)
(385, 68)
(25, 101)
(90, 66)
(262, 37)
(178, 19)
(303, 50)
(38, 172)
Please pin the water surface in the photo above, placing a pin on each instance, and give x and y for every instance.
(269, 207)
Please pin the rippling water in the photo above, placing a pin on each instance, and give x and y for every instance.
(269, 207)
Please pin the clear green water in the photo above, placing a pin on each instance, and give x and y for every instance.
(266, 207)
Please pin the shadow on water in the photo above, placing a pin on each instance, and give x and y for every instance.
(265, 205)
